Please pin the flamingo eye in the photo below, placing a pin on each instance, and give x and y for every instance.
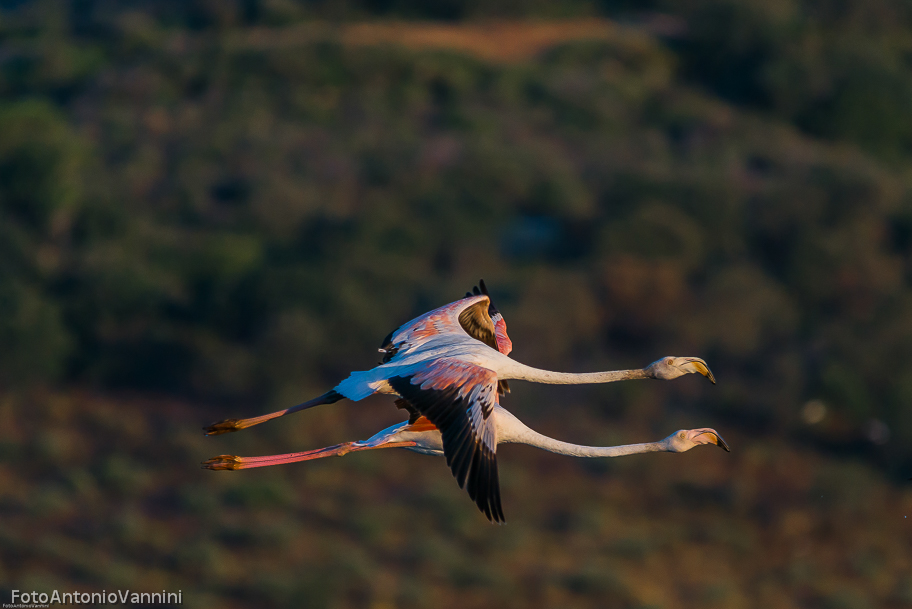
(669, 361)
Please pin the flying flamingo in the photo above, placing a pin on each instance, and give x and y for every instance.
(448, 366)
(420, 435)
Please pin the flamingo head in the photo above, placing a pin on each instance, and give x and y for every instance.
(669, 368)
(685, 439)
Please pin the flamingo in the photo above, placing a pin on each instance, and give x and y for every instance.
(420, 435)
(449, 365)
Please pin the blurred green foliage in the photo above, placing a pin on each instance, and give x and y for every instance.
(230, 204)
(102, 494)
(192, 209)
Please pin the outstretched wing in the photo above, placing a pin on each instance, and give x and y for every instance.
(458, 398)
(474, 315)
(441, 322)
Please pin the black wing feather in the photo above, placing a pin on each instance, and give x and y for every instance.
(473, 464)
(413, 413)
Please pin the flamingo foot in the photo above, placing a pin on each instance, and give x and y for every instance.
(229, 425)
(226, 426)
(223, 462)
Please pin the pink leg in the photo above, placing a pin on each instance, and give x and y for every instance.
(234, 462)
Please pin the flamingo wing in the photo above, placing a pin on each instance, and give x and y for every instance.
(458, 398)
(487, 326)
(474, 315)
(476, 321)
(441, 322)
(413, 413)
(490, 329)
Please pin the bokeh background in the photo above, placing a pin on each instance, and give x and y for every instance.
(215, 208)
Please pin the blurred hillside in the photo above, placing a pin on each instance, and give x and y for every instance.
(199, 207)
(216, 208)
(102, 494)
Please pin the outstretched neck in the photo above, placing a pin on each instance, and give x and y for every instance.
(511, 430)
(528, 373)
(533, 438)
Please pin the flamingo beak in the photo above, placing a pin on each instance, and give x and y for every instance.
(716, 439)
(700, 366)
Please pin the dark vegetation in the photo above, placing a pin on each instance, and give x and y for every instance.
(201, 217)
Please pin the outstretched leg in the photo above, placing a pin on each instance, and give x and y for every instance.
(235, 462)
(229, 425)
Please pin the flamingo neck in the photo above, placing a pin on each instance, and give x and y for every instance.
(528, 373)
(576, 450)
(513, 431)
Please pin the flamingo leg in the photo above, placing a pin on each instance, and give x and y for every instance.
(234, 462)
(229, 425)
